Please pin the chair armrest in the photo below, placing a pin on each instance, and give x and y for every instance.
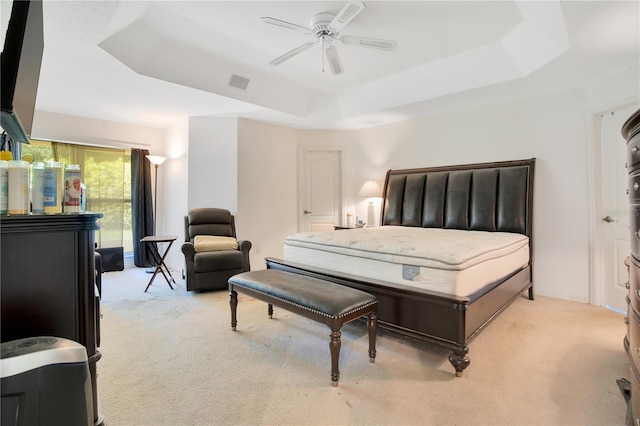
(189, 250)
(244, 246)
(189, 253)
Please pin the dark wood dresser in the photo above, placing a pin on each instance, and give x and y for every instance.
(631, 132)
(47, 281)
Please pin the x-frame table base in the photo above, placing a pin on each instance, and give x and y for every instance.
(160, 267)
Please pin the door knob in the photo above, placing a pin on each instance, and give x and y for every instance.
(607, 219)
(306, 212)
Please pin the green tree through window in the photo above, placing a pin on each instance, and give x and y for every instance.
(106, 172)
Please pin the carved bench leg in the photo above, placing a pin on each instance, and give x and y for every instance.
(334, 348)
(459, 359)
(372, 325)
(233, 302)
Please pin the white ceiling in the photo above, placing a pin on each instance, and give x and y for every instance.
(153, 62)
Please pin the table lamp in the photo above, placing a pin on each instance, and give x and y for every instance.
(370, 189)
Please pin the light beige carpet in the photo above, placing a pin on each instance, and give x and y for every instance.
(170, 358)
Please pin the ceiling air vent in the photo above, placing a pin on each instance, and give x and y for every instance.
(239, 82)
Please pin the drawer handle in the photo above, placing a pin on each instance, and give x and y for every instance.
(634, 149)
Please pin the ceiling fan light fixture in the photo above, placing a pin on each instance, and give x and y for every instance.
(326, 27)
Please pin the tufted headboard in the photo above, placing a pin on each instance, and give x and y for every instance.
(486, 197)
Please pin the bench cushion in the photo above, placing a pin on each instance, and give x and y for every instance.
(323, 297)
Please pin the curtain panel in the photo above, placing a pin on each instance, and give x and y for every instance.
(141, 205)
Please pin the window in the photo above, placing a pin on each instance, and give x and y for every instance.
(106, 173)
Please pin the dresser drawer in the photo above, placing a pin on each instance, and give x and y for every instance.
(634, 341)
(634, 283)
(633, 154)
(634, 187)
(634, 229)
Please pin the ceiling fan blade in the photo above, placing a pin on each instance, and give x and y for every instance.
(285, 24)
(334, 60)
(373, 43)
(348, 12)
(290, 54)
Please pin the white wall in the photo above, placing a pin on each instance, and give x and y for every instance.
(613, 91)
(201, 172)
(213, 163)
(68, 128)
(267, 187)
(173, 178)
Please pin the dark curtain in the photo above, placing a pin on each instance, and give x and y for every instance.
(141, 206)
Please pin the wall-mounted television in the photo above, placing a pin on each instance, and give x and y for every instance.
(20, 68)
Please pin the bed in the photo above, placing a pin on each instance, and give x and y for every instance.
(453, 251)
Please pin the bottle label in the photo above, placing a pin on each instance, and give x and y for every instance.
(37, 192)
(4, 190)
(50, 188)
(18, 202)
(72, 191)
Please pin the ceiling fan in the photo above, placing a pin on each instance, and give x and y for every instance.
(325, 27)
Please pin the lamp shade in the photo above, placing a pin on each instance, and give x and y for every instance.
(156, 160)
(370, 189)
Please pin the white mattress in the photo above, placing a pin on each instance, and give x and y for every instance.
(449, 261)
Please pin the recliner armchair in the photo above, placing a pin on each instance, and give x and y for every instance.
(210, 269)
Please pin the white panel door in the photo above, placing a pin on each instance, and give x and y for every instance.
(321, 189)
(616, 208)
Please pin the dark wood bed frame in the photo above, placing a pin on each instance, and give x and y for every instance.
(494, 196)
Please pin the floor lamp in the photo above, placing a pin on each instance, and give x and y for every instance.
(371, 190)
(156, 160)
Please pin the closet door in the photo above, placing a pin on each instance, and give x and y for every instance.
(321, 189)
(615, 217)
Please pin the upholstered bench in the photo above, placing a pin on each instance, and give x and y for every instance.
(319, 300)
